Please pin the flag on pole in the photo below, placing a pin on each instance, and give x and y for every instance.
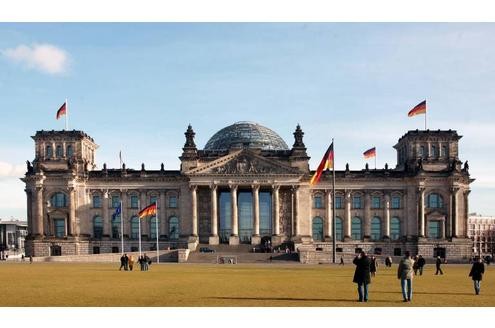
(418, 109)
(370, 153)
(118, 210)
(149, 210)
(62, 110)
(326, 163)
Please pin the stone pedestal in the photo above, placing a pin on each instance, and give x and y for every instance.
(182, 255)
(234, 240)
(255, 240)
(192, 243)
(214, 240)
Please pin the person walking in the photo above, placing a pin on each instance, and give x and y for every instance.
(373, 266)
(421, 264)
(122, 263)
(362, 275)
(405, 273)
(341, 260)
(131, 262)
(415, 265)
(438, 263)
(476, 273)
(126, 262)
(146, 261)
(141, 264)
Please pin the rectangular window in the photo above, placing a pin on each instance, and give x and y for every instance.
(115, 249)
(154, 199)
(395, 202)
(96, 250)
(59, 225)
(115, 201)
(356, 202)
(318, 203)
(434, 229)
(397, 251)
(96, 201)
(134, 201)
(375, 202)
(338, 202)
(172, 201)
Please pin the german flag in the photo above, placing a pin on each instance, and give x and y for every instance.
(418, 109)
(149, 210)
(370, 153)
(326, 163)
(62, 110)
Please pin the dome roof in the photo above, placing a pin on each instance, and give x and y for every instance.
(246, 134)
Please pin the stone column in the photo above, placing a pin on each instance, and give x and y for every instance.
(347, 215)
(214, 239)
(72, 212)
(234, 237)
(107, 220)
(387, 216)
(295, 191)
(421, 219)
(162, 216)
(328, 214)
(256, 239)
(367, 215)
(276, 210)
(194, 211)
(455, 212)
(29, 206)
(39, 211)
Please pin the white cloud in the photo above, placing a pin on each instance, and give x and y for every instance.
(11, 170)
(42, 57)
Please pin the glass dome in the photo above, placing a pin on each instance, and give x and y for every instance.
(246, 135)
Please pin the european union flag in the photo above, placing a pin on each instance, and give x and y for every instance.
(118, 210)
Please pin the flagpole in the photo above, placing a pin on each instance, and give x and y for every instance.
(156, 225)
(375, 158)
(426, 110)
(122, 226)
(66, 115)
(139, 231)
(334, 242)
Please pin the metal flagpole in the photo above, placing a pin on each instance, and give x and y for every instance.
(156, 225)
(139, 231)
(375, 158)
(334, 242)
(66, 115)
(122, 226)
(426, 110)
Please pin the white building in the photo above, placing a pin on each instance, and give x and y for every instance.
(481, 230)
(12, 236)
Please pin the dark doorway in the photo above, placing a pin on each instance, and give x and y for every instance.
(55, 250)
(439, 251)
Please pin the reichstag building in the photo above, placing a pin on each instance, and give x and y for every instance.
(246, 186)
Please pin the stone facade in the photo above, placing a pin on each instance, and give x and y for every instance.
(481, 230)
(247, 186)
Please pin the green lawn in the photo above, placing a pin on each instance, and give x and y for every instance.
(74, 284)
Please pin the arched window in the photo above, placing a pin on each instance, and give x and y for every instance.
(444, 151)
(376, 228)
(134, 227)
(317, 201)
(116, 230)
(59, 152)
(70, 151)
(49, 152)
(97, 227)
(339, 229)
(435, 201)
(59, 200)
(317, 229)
(153, 228)
(395, 228)
(173, 228)
(422, 153)
(356, 229)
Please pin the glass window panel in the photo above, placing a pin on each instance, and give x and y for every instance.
(394, 228)
(135, 227)
(134, 201)
(356, 229)
(318, 229)
(172, 201)
(318, 203)
(154, 199)
(70, 151)
(49, 152)
(97, 227)
(59, 225)
(434, 229)
(173, 228)
(59, 151)
(59, 200)
(375, 202)
(153, 227)
(356, 202)
(338, 202)
(265, 199)
(225, 216)
(96, 201)
(115, 201)
(339, 229)
(395, 202)
(376, 228)
(245, 215)
(116, 230)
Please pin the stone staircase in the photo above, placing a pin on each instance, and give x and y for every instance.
(244, 254)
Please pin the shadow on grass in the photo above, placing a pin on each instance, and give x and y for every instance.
(298, 299)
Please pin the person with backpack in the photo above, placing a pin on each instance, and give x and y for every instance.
(476, 273)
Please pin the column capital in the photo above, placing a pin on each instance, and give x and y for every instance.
(255, 187)
(454, 189)
(275, 187)
(193, 187)
(213, 186)
(233, 186)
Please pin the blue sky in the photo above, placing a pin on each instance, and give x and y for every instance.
(136, 87)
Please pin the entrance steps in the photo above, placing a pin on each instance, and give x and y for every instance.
(244, 254)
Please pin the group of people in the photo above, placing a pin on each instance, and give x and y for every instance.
(127, 262)
(366, 268)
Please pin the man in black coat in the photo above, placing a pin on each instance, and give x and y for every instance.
(438, 264)
(477, 271)
(362, 275)
(421, 264)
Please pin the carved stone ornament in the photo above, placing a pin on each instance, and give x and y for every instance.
(244, 165)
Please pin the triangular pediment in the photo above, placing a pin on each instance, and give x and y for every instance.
(244, 162)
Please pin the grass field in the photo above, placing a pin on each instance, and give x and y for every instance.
(74, 284)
